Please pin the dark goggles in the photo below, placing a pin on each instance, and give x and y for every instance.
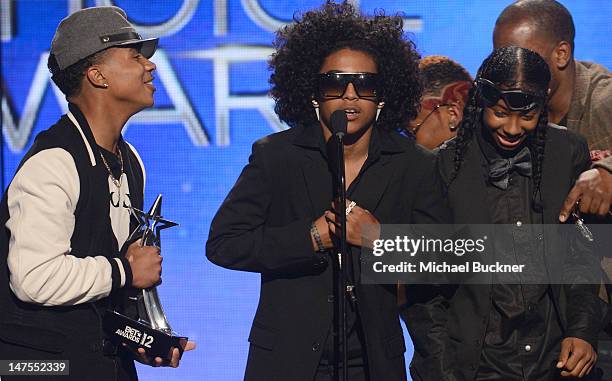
(515, 99)
(333, 85)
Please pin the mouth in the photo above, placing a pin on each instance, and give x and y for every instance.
(149, 84)
(509, 142)
(352, 113)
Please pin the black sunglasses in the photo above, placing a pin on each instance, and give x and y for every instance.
(515, 99)
(333, 85)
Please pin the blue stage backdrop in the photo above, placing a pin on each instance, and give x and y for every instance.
(211, 105)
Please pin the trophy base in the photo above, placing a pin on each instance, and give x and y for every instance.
(123, 330)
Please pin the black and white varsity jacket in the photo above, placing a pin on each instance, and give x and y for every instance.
(64, 223)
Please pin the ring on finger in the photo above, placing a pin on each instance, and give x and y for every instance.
(350, 207)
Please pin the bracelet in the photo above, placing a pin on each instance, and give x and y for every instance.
(317, 237)
(350, 207)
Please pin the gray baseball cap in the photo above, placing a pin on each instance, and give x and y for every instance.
(91, 30)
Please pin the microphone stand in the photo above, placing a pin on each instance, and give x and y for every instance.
(344, 257)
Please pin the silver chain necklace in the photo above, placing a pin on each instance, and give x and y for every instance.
(115, 181)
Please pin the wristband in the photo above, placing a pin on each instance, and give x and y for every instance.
(317, 237)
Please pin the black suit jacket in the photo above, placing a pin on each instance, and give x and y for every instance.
(448, 323)
(264, 226)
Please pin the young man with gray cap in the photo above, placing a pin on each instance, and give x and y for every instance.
(64, 259)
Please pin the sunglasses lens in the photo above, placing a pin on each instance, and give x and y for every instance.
(489, 94)
(516, 100)
(520, 101)
(331, 85)
(366, 85)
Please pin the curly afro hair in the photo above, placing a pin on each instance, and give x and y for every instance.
(302, 46)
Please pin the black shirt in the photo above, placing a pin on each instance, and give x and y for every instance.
(114, 164)
(523, 333)
(355, 342)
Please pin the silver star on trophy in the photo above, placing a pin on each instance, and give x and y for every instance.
(151, 330)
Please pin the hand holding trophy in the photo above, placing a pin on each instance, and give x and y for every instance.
(150, 333)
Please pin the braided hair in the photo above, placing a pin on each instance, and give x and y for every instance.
(510, 67)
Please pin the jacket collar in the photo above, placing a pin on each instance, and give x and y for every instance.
(76, 116)
(471, 183)
(579, 95)
(80, 123)
(317, 175)
(381, 142)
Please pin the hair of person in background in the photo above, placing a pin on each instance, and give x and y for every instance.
(445, 88)
(437, 72)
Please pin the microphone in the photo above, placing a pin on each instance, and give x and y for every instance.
(335, 147)
(338, 123)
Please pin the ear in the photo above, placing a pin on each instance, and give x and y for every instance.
(562, 55)
(455, 114)
(455, 94)
(95, 76)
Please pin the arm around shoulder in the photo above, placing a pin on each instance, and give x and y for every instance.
(605, 163)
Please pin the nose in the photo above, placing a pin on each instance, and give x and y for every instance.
(513, 127)
(149, 65)
(350, 92)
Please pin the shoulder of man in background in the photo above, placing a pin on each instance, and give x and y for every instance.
(591, 110)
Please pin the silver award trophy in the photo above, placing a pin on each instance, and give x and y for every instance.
(151, 329)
